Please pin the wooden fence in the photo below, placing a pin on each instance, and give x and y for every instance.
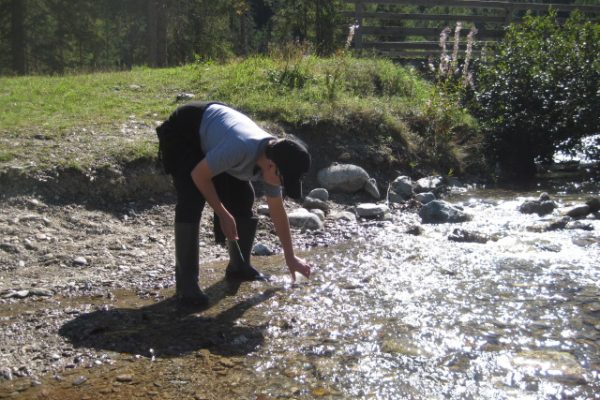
(416, 33)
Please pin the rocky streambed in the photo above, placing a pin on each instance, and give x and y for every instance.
(480, 300)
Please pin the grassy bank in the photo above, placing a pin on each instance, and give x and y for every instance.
(92, 120)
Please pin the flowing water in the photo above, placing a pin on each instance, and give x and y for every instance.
(390, 315)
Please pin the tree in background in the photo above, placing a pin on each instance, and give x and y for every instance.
(58, 36)
(314, 21)
(17, 36)
(540, 92)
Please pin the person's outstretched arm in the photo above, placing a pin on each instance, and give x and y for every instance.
(282, 228)
(202, 177)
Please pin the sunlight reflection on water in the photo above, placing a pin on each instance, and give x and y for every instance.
(391, 315)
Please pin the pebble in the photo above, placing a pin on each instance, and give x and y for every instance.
(80, 261)
(123, 378)
(261, 249)
(80, 380)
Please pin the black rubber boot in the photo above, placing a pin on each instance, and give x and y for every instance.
(239, 267)
(186, 265)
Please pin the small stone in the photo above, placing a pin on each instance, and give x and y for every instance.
(311, 202)
(123, 378)
(343, 216)
(6, 373)
(318, 213)
(319, 193)
(261, 249)
(9, 248)
(415, 230)
(80, 380)
(20, 294)
(80, 261)
(41, 292)
(184, 96)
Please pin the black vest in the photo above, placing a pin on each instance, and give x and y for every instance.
(179, 137)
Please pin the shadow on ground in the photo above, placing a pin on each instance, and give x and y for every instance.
(170, 330)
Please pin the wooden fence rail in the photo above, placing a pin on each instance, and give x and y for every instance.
(413, 29)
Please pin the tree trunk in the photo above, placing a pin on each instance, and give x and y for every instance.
(152, 33)
(161, 34)
(324, 26)
(17, 9)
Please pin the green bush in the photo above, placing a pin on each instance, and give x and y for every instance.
(539, 92)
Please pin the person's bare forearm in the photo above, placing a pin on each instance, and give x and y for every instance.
(202, 177)
(282, 225)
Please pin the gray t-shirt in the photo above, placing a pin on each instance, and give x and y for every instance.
(232, 143)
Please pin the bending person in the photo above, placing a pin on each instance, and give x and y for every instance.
(213, 152)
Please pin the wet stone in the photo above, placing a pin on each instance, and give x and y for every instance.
(579, 211)
(371, 210)
(80, 380)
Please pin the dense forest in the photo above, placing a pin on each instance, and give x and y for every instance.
(58, 36)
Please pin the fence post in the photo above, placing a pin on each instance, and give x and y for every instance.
(359, 9)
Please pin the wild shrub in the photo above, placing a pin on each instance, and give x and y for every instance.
(539, 92)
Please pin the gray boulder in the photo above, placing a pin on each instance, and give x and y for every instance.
(425, 198)
(542, 206)
(401, 189)
(594, 204)
(304, 219)
(429, 184)
(371, 210)
(580, 211)
(439, 211)
(371, 188)
(346, 178)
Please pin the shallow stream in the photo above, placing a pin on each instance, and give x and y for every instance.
(386, 315)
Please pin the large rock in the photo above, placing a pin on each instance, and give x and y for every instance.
(371, 210)
(304, 219)
(580, 211)
(594, 204)
(429, 184)
(541, 206)
(371, 188)
(425, 197)
(439, 211)
(347, 178)
(401, 189)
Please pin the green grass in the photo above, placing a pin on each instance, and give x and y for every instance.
(90, 120)
(55, 104)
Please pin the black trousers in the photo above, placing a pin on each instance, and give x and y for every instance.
(236, 195)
